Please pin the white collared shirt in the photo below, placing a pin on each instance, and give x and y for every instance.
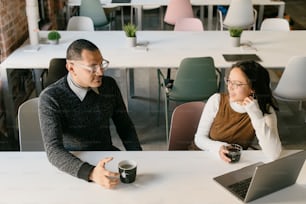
(78, 90)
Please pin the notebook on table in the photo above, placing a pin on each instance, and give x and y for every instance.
(258, 180)
(121, 1)
(240, 57)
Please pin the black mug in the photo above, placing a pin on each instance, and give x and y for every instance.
(127, 171)
(234, 152)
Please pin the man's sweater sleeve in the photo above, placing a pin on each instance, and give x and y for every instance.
(124, 125)
(49, 117)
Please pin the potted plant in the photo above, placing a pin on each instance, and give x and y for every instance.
(130, 32)
(235, 34)
(53, 37)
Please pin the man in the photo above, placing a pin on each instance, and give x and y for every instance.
(75, 115)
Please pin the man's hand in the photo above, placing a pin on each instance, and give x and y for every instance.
(104, 177)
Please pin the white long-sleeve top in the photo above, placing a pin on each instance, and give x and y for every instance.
(265, 127)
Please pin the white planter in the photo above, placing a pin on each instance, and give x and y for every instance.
(53, 42)
(131, 41)
(235, 41)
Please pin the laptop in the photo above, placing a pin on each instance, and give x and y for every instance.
(258, 180)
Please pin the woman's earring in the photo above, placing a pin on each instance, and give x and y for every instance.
(253, 95)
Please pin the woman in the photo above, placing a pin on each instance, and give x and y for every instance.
(245, 112)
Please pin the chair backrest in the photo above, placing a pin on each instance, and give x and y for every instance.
(57, 69)
(188, 24)
(196, 80)
(93, 9)
(30, 138)
(80, 23)
(220, 18)
(177, 9)
(292, 84)
(184, 124)
(275, 24)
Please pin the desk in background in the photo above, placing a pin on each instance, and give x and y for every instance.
(165, 49)
(178, 177)
(209, 3)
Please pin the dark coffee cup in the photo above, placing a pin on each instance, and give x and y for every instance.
(127, 171)
(234, 152)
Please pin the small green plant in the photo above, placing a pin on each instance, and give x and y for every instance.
(130, 30)
(54, 35)
(235, 32)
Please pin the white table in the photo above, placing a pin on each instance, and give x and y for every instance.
(166, 49)
(162, 177)
(210, 3)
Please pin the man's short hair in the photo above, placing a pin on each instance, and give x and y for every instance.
(74, 51)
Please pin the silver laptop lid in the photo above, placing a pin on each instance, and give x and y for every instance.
(266, 178)
(275, 175)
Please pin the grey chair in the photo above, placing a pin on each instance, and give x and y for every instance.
(184, 124)
(30, 138)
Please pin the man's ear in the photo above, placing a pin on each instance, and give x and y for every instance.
(70, 67)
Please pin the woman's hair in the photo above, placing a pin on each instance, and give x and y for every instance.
(74, 51)
(259, 80)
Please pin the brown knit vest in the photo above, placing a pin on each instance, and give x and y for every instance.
(230, 126)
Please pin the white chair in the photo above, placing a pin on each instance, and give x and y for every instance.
(80, 23)
(275, 24)
(292, 84)
(220, 19)
(30, 138)
(189, 24)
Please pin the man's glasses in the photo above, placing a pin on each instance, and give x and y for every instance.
(93, 68)
(234, 84)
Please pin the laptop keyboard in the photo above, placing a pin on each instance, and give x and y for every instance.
(241, 187)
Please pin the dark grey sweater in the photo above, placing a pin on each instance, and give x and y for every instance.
(67, 123)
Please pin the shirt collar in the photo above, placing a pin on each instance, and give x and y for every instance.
(78, 90)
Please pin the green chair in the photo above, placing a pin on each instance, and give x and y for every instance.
(94, 10)
(196, 80)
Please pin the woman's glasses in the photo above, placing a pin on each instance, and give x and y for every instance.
(234, 84)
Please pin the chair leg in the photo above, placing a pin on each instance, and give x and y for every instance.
(158, 105)
(166, 119)
(122, 16)
(161, 14)
(131, 15)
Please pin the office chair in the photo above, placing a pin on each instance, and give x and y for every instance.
(177, 9)
(57, 69)
(220, 19)
(93, 9)
(30, 138)
(184, 124)
(188, 24)
(196, 80)
(292, 84)
(275, 24)
(80, 23)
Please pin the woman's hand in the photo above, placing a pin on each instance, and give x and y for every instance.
(222, 153)
(104, 177)
(247, 100)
